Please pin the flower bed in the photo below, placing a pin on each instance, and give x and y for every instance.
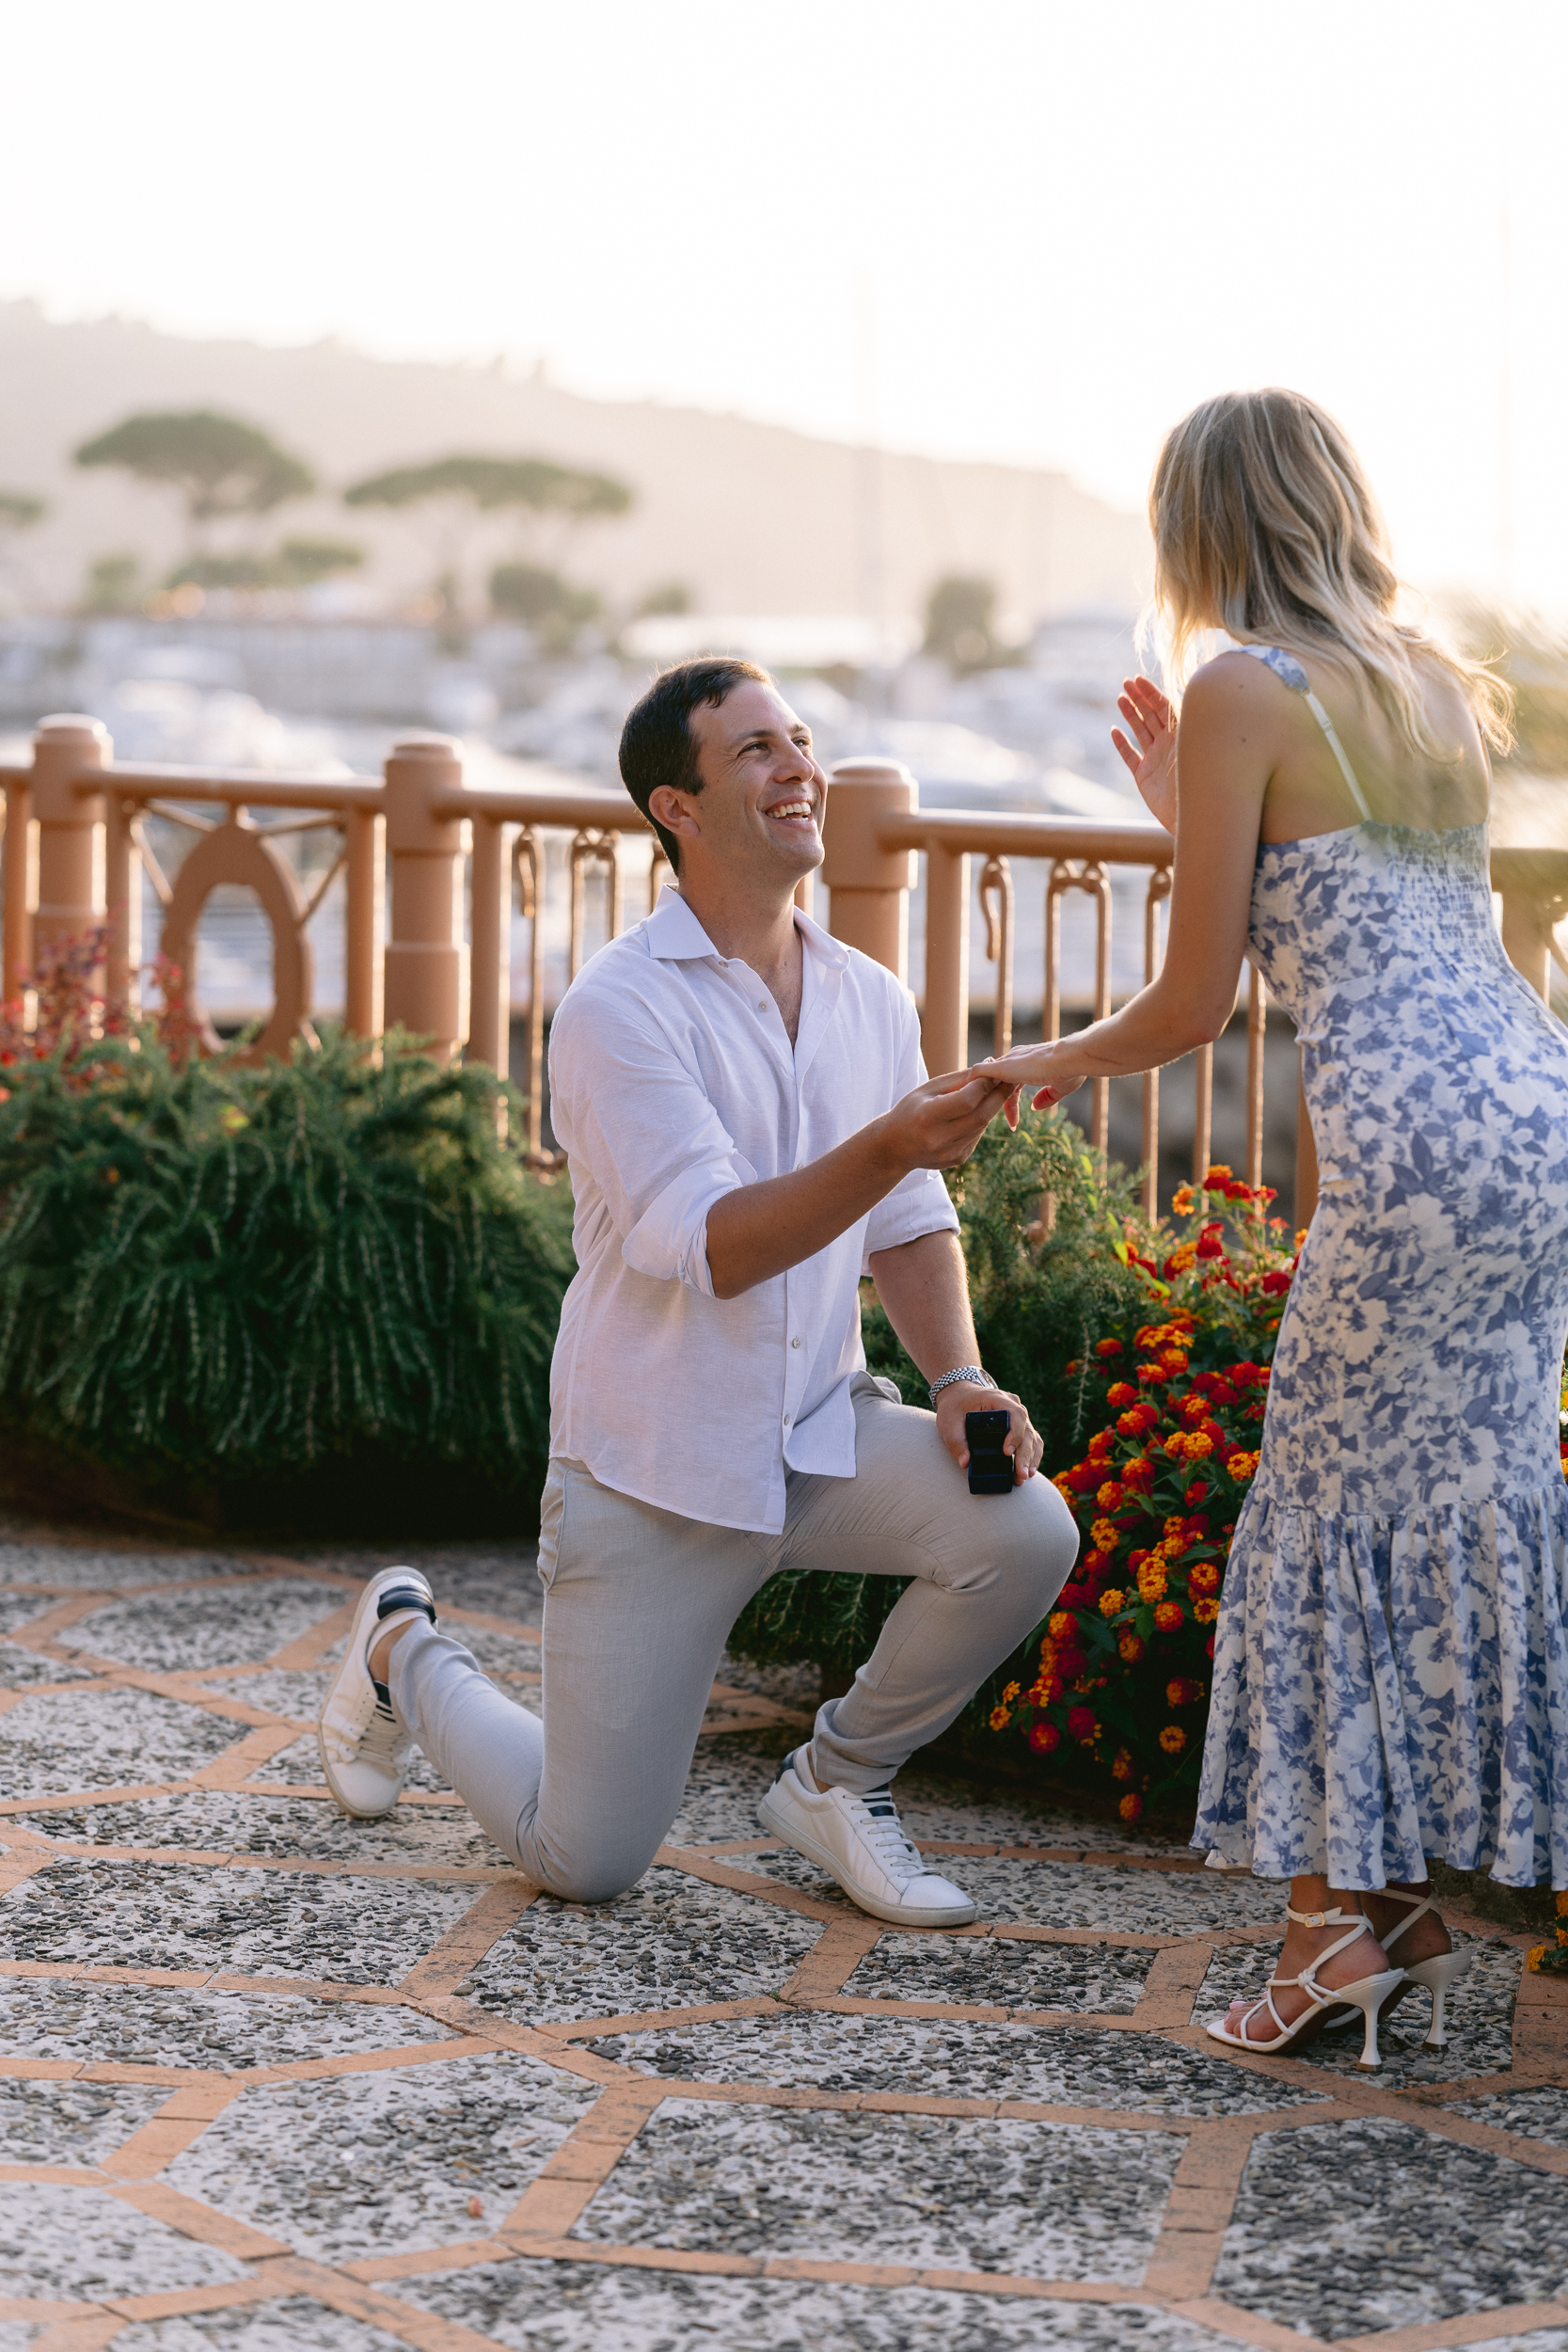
(1119, 1681)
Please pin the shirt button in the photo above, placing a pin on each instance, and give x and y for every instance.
(794, 1342)
(786, 1421)
(762, 1008)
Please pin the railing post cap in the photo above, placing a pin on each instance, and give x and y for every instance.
(428, 747)
(61, 724)
(870, 768)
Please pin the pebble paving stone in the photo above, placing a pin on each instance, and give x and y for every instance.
(351, 1930)
(568, 2307)
(386, 2056)
(668, 1943)
(1106, 1977)
(1051, 2201)
(364, 2163)
(233, 1625)
(1334, 2230)
(119, 1739)
(290, 2325)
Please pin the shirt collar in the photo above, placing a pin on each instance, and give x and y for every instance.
(675, 935)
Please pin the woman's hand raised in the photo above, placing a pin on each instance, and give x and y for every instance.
(1043, 1068)
(1151, 761)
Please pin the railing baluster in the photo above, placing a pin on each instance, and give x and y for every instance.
(996, 876)
(364, 922)
(528, 859)
(1256, 1020)
(1203, 1111)
(122, 898)
(489, 960)
(1159, 889)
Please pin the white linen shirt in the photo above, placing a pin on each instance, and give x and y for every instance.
(673, 1082)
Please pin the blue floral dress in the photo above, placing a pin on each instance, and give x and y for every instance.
(1391, 1666)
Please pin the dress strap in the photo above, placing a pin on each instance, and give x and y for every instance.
(1289, 673)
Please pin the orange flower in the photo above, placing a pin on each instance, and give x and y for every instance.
(1123, 1767)
(1107, 1534)
(1012, 1692)
(1060, 1623)
(1000, 1718)
(1173, 1738)
(1111, 1601)
(1174, 1527)
(1130, 1807)
(1167, 1616)
(1203, 1577)
(1176, 1444)
(1199, 1444)
(1206, 1611)
(1193, 1409)
(1121, 1393)
(1219, 1174)
(1131, 1647)
(1044, 1738)
(1151, 1579)
(1174, 1358)
(1180, 1691)
(1111, 1495)
(1243, 1465)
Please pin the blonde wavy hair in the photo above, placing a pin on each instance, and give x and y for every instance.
(1264, 523)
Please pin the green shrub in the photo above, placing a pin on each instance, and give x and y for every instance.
(1040, 1299)
(322, 1291)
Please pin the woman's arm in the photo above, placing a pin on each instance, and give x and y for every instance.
(1210, 774)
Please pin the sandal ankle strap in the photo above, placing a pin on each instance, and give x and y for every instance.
(1334, 1918)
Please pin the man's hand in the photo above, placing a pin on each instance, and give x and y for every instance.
(941, 1122)
(1023, 1440)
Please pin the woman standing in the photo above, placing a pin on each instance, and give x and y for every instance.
(1391, 1668)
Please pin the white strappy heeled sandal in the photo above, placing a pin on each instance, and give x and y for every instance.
(1439, 1973)
(1366, 1994)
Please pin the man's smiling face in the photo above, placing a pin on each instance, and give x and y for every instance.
(760, 809)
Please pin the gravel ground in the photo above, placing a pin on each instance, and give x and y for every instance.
(294, 1693)
(672, 1942)
(289, 2325)
(45, 2122)
(62, 2242)
(110, 1568)
(146, 2025)
(148, 1914)
(1334, 2230)
(1078, 1895)
(226, 1821)
(499, 1579)
(231, 1626)
(18, 1668)
(120, 1739)
(1041, 2200)
(1479, 2019)
(375, 2163)
(1539, 2114)
(1094, 1977)
(576, 2307)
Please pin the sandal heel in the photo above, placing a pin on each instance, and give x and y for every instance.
(1439, 1974)
(1367, 1995)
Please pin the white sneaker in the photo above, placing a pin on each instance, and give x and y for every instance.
(364, 1744)
(860, 1841)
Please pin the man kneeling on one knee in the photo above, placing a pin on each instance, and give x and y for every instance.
(748, 1128)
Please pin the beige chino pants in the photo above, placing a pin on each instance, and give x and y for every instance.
(638, 1603)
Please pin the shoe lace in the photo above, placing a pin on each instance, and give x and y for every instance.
(385, 1739)
(884, 1834)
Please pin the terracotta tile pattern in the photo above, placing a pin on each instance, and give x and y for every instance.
(542, 2224)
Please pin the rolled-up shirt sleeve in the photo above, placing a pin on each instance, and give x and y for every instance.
(919, 1202)
(623, 1100)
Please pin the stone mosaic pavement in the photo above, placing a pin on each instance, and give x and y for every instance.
(273, 2080)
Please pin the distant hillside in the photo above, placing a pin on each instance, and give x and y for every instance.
(753, 517)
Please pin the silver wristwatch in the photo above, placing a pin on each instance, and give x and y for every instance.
(962, 1372)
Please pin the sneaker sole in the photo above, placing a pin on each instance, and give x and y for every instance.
(951, 1915)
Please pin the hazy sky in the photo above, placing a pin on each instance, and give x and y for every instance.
(1011, 228)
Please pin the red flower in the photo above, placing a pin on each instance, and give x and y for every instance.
(1152, 1375)
(1081, 1724)
(1044, 1736)
(1210, 1247)
(1120, 1392)
(1107, 1347)
(1197, 1492)
(1275, 1285)
(1084, 1479)
(1208, 1646)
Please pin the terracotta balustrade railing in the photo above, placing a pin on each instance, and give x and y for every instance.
(75, 846)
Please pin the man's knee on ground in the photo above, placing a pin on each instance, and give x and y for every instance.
(589, 1878)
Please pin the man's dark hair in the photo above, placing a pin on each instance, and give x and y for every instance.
(656, 743)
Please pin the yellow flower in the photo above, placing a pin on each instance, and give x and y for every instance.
(232, 1118)
(1167, 1616)
(1123, 1767)
(1173, 1738)
(1243, 1465)
(1112, 1495)
(1060, 1625)
(1183, 1260)
(1105, 1535)
(1176, 1444)
(1182, 1201)
(1199, 1444)
(1151, 1579)
(1131, 1646)
(1012, 1692)
(1000, 1718)
(1111, 1601)
(1206, 1611)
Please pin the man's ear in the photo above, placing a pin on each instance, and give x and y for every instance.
(674, 811)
